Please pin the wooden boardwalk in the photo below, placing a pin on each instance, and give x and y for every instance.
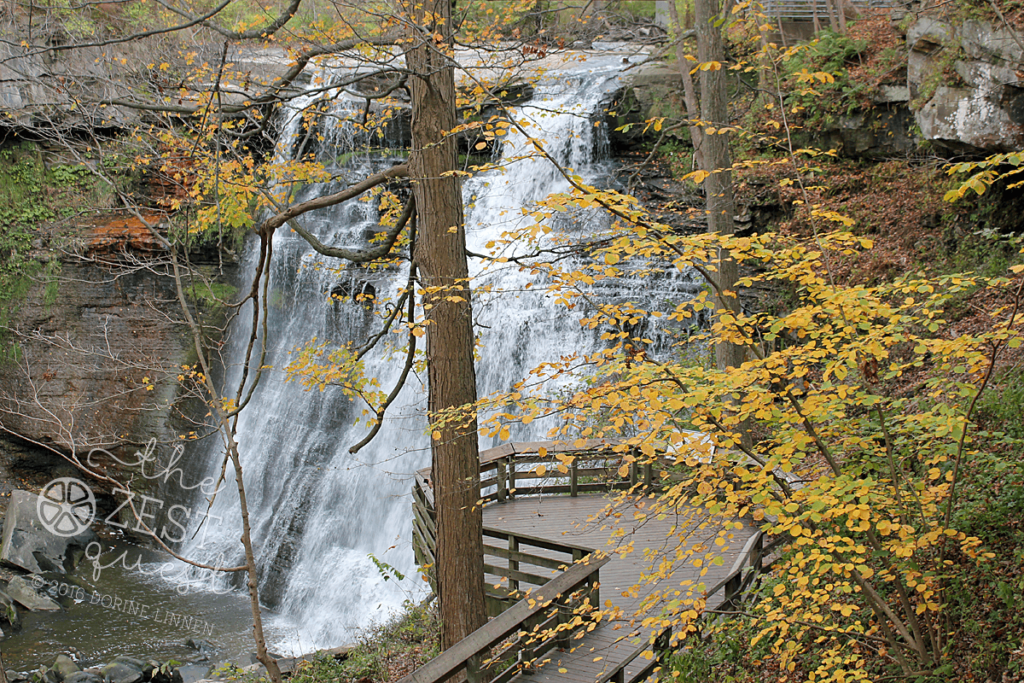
(545, 531)
(578, 521)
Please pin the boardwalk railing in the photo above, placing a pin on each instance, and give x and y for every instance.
(511, 642)
(808, 10)
(511, 471)
(515, 562)
(750, 563)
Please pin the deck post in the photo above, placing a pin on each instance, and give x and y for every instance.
(526, 651)
(732, 591)
(648, 474)
(574, 478)
(473, 669)
(501, 481)
(564, 616)
(632, 474)
(511, 477)
(513, 565)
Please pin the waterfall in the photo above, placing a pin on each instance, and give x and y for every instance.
(317, 511)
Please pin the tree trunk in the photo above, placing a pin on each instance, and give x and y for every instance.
(832, 21)
(444, 277)
(689, 92)
(721, 203)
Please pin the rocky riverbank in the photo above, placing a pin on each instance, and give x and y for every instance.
(71, 668)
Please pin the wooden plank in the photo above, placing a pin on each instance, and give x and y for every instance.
(536, 541)
(429, 541)
(531, 446)
(593, 487)
(496, 453)
(495, 605)
(520, 556)
(516, 575)
(426, 529)
(499, 628)
(425, 518)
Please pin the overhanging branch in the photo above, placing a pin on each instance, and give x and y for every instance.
(262, 32)
(353, 255)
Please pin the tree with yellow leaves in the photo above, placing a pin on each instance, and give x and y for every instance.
(860, 478)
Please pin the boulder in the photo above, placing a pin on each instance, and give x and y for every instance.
(198, 644)
(44, 675)
(8, 611)
(203, 647)
(22, 592)
(970, 119)
(121, 672)
(188, 673)
(964, 82)
(29, 545)
(64, 667)
(131, 661)
(652, 91)
(84, 677)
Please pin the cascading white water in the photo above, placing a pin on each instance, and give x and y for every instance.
(319, 512)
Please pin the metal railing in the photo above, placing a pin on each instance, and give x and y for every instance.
(804, 10)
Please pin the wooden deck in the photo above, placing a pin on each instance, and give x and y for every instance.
(578, 520)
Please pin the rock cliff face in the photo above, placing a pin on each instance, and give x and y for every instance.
(964, 94)
(96, 351)
(971, 81)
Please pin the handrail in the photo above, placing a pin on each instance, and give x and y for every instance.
(500, 469)
(478, 644)
(805, 10)
(750, 560)
(596, 467)
(500, 462)
(503, 460)
(512, 561)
